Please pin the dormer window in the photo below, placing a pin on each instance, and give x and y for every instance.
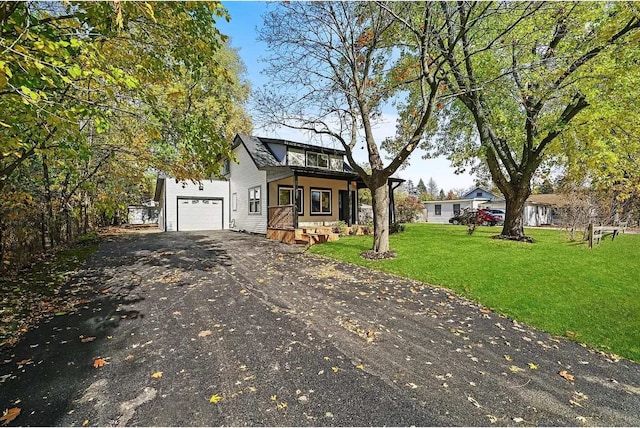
(317, 160)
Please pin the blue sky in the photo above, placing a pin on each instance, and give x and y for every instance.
(246, 18)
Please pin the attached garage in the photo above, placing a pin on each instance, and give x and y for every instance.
(200, 214)
(188, 205)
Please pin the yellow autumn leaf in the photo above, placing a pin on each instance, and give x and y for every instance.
(515, 369)
(156, 375)
(215, 398)
(9, 415)
(260, 281)
(335, 369)
(85, 422)
(360, 366)
(273, 397)
(533, 366)
(508, 358)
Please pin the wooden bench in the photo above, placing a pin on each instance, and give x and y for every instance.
(597, 233)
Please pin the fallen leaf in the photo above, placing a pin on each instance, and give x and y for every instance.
(533, 366)
(105, 291)
(23, 362)
(260, 281)
(156, 375)
(128, 357)
(243, 292)
(566, 375)
(204, 333)
(87, 339)
(473, 401)
(518, 420)
(508, 358)
(85, 422)
(492, 419)
(282, 405)
(360, 366)
(215, 398)
(327, 358)
(335, 369)
(98, 362)
(485, 311)
(9, 415)
(515, 369)
(575, 403)
(273, 397)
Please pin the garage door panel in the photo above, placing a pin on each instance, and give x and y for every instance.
(199, 214)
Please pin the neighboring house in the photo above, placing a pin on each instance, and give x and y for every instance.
(442, 211)
(259, 192)
(146, 213)
(537, 211)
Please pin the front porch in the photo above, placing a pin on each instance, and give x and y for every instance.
(281, 228)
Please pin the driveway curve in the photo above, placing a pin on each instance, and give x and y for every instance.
(225, 328)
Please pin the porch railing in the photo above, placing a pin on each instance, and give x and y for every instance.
(280, 217)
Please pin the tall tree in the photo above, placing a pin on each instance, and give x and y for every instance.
(432, 188)
(421, 189)
(332, 70)
(521, 73)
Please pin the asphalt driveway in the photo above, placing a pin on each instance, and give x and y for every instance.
(226, 328)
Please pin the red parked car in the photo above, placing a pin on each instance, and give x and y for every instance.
(483, 217)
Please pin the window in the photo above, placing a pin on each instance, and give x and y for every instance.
(320, 201)
(456, 209)
(438, 209)
(254, 200)
(234, 202)
(319, 160)
(226, 167)
(478, 194)
(285, 197)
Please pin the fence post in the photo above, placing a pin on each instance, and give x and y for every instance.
(590, 235)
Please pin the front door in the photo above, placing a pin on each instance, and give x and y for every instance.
(344, 207)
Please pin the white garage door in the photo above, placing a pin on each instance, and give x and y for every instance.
(199, 214)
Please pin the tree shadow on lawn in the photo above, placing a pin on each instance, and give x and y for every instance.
(53, 363)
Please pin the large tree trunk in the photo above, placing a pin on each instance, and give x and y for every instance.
(380, 218)
(513, 220)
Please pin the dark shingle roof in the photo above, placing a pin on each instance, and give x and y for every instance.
(261, 155)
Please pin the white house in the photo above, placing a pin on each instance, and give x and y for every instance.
(259, 192)
(536, 212)
(442, 211)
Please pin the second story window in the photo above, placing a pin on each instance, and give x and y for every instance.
(317, 160)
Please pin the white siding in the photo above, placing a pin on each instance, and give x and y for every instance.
(447, 209)
(245, 175)
(210, 189)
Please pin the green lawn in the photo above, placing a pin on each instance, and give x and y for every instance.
(562, 287)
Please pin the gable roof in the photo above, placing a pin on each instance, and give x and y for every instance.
(261, 155)
(469, 194)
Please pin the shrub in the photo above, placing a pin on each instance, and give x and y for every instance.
(396, 227)
(340, 227)
(408, 209)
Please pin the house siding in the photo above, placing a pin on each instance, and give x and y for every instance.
(243, 176)
(447, 210)
(308, 183)
(172, 190)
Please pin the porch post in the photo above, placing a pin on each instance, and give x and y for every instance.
(348, 207)
(295, 200)
(392, 205)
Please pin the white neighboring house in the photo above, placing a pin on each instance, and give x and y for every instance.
(188, 206)
(442, 211)
(536, 212)
(260, 191)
